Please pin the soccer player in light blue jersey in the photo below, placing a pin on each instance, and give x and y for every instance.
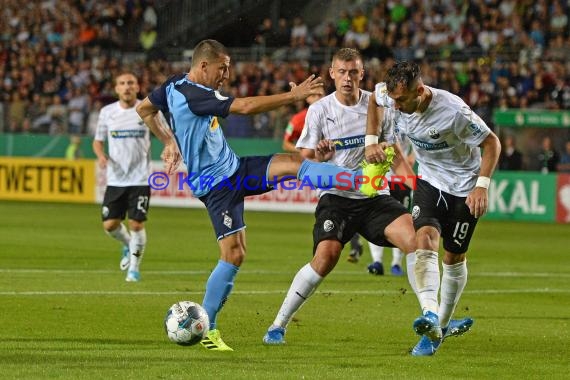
(194, 102)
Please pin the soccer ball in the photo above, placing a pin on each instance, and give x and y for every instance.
(186, 323)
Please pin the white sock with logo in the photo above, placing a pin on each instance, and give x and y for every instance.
(304, 284)
(136, 247)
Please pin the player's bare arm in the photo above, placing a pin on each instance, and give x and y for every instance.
(402, 167)
(478, 199)
(373, 151)
(155, 122)
(257, 104)
(99, 150)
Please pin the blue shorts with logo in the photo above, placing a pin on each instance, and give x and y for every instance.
(225, 201)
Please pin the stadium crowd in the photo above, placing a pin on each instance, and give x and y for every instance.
(58, 58)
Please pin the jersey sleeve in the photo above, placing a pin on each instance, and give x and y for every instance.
(470, 128)
(101, 129)
(158, 96)
(381, 95)
(204, 101)
(312, 132)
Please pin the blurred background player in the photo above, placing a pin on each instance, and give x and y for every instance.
(128, 169)
(296, 123)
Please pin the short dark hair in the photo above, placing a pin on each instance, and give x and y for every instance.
(124, 72)
(404, 72)
(208, 50)
(347, 54)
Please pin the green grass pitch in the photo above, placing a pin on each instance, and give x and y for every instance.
(67, 313)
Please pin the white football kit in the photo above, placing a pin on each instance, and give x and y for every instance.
(128, 145)
(446, 139)
(344, 125)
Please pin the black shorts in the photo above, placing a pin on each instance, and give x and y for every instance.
(339, 218)
(402, 193)
(120, 200)
(446, 212)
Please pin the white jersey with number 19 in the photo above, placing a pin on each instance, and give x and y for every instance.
(446, 139)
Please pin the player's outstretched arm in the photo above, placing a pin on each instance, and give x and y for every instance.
(257, 104)
(478, 199)
(155, 122)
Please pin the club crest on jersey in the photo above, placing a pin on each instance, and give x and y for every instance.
(415, 212)
(328, 225)
(220, 96)
(214, 124)
(228, 222)
(475, 129)
(433, 133)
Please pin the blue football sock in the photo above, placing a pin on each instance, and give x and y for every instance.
(218, 288)
(326, 176)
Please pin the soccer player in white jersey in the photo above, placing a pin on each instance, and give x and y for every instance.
(334, 132)
(128, 170)
(450, 196)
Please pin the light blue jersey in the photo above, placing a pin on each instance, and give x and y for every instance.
(194, 110)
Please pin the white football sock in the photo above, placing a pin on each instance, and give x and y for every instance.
(376, 251)
(411, 265)
(453, 282)
(136, 247)
(121, 234)
(397, 257)
(427, 279)
(304, 284)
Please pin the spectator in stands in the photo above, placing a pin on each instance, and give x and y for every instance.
(77, 107)
(57, 112)
(511, 158)
(16, 112)
(299, 32)
(343, 24)
(282, 33)
(147, 37)
(548, 157)
(564, 164)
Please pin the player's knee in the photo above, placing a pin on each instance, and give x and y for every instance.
(135, 225)
(111, 225)
(428, 238)
(234, 254)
